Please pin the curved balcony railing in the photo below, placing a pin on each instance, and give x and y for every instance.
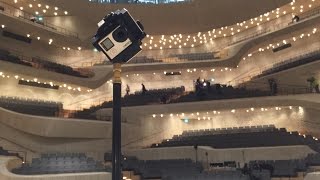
(30, 18)
(256, 73)
(140, 1)
(202, 56)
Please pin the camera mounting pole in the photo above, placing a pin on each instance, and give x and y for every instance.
(119, 37)
(116, 124)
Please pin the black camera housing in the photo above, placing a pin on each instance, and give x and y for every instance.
(119, 36)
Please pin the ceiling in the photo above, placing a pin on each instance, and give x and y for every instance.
(199, 15)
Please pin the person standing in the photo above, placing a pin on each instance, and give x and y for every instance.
(144, 90)
(127, 90)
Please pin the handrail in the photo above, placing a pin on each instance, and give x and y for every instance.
(287, 89)
(13, 11)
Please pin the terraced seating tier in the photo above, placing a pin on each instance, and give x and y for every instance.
(217, 92)
(42, 64)
(155, 96)
(61, 163)
(29, 106)
(242, 137)
(196, 56)
(162, 168)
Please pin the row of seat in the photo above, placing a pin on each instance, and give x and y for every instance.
(186, 169)
(284, 168)
(61, 163)
(196, 56)
(154, 96)
(42, 64)
(161, 168)
(6, 56)
(59, 68)
(29, 106)
(241, 137)
(218, 92)
(259, 128)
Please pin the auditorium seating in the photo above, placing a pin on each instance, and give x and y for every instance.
(55, 67)
(42, 64)
(313, 160)
(240, 137)
(196, 56)
(291, 63)
(219, 175)
(6, 56)
(278, 168)
(17, 37)
(154, 96)
(143, 59)
(218, 91)
(177, 169)
(30, 106)
(60, 163)
(4, 152)
(152, 169)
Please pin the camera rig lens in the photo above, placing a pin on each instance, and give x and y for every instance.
(120, 34)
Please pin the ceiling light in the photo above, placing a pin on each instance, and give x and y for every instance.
(65, 12)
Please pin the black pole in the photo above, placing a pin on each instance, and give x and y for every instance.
(116, 124)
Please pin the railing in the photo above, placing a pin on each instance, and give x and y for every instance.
(285, 89)
(13, 11)
(258, 33)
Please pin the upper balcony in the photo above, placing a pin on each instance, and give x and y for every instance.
(36, 19)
